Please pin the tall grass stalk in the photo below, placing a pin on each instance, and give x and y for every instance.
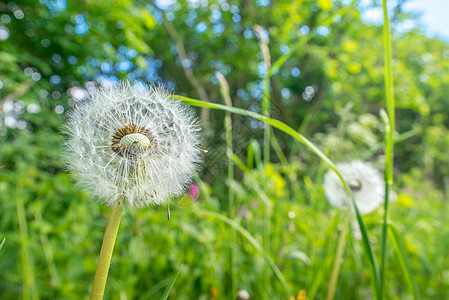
(263, 44)
(398, 247)
(338, 256)
(54, 277)
(104, 261)
(293, 133)
(389, 132)
(224, 87)
(326, 261)
(29, 286)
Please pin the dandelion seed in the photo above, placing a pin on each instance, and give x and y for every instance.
(134, 146)
(364, 180)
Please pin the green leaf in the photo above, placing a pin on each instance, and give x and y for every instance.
(398, 247)
(170, 286)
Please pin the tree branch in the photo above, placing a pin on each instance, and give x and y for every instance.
(187, 70)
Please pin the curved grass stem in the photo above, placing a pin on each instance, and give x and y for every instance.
(338, 257)
(101, 275)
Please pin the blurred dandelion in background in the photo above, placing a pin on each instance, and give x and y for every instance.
(243, 295)
(365, 182)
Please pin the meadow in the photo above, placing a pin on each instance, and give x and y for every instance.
(285, 91)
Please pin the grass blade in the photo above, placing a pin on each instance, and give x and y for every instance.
(253, 242)
(231, 194)
(3, 242)
(389, 121)
(253, 157)
(341, 245)
(398, 247)
(170, 286)
(263, 44)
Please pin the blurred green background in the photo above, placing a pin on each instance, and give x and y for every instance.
(54, 53)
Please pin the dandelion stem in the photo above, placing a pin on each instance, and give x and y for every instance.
(338, 257)
(107, 248)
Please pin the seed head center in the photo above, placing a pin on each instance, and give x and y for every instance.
(136, 140)
(355, 185)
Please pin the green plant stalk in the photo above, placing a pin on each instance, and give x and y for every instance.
(252, 241)
(277, 149)
(267, 129)
(393, 233)
(254, 159)
(389, 148)
(327, 261)
(263, 44)
(253, 182)
(170, 286)
(338, 257)
(266, 90)
(384, 242)
(231, 204)
(224, 87)
(293, 133)
(54, 278)
(369, 252)
(29, 287)
(104, 261)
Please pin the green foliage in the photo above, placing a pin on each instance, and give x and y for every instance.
(58, 50)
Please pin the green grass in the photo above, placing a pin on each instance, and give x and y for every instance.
(264, 226)
(150, 249)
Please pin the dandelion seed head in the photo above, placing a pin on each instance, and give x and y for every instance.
(365, 182)
(243, 295)
(137, 146)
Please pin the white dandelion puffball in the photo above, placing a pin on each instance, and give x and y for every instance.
(243, 295)
(365, 182)
(133, 145)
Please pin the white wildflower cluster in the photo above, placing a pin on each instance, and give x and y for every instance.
(365, 182)
(133, 145)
